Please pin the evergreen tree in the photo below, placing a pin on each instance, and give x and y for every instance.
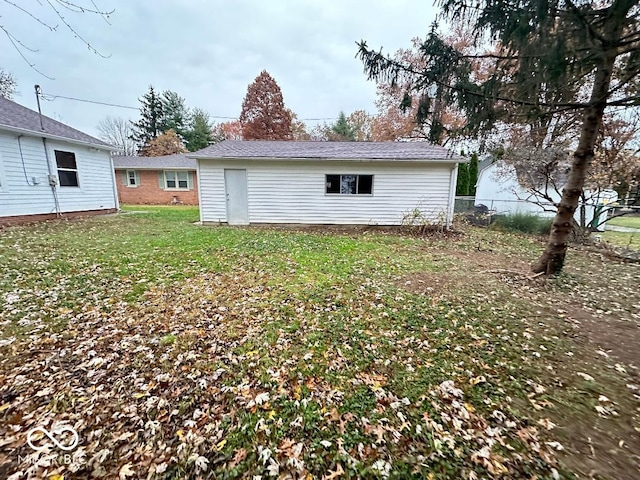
(149, 125)
(548, 57)
(342, 130)
(462, 186)
(473, 173)
(175, 114)
(264, 116)
(200, 131)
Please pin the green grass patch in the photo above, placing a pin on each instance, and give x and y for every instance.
(625, 221)
(523, 223)
(622, 239)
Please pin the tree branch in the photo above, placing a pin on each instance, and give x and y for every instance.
(71, 29)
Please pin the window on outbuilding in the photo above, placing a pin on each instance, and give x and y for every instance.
(67, 168)
(349, 184)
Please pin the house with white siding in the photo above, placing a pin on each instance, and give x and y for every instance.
(49, 170)
(366, 183)
(504, 192)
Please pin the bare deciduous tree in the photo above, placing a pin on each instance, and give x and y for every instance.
(7, 84)
(117, 131)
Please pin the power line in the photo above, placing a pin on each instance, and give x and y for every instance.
(51, 98)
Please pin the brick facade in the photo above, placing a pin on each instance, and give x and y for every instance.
(28, 219)
(150, 193)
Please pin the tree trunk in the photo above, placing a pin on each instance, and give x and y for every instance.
(552, 259)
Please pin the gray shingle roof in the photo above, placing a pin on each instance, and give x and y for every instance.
(178, 161)
(413, 151)
(16, 117)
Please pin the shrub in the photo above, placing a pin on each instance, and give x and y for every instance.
(523, 222)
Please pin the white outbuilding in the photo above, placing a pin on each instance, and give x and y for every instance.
(49, 170)
(361, 183)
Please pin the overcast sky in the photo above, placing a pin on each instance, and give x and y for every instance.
(206, 50)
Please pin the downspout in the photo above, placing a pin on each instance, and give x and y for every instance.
(199, 191)
(113, 182)
(452, 194)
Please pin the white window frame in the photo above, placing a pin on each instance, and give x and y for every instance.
(75, 170)
(176, 179)
(357, 175)
(136, 178)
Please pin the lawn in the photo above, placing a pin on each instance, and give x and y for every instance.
(625, 221)
(626, 240)
(629, 240)
(181, 351)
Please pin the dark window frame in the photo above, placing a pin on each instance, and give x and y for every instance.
(330, 188)
(68, 175)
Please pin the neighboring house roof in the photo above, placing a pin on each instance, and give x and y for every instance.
(19, 119)
(177, 161)
(266, 149)
(485, 162)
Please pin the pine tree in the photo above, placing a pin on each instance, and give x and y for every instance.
(200, 131)
(473, 174)
(342, 130)
(548, 57)
(149, 125)
(264, 116)
(462, 186)
(175, 114)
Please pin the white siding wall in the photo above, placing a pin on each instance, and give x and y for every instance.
(19, 196)
(294, 191)
(499, 190)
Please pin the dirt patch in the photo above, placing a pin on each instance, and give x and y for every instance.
(430, 284)
(595, 312)
(332, 229)
(619, 339)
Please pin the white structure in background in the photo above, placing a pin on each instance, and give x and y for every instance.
(370, 183)
(499, 190)
(48, 169)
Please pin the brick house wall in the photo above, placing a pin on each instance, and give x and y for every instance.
(149, 192)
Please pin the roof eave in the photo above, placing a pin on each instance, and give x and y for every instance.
(147, 167)
(368, 159)
(34, 133)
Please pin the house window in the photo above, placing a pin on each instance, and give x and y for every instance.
(176, 180)
(67, 168)
(349, 184)
(133, 180)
